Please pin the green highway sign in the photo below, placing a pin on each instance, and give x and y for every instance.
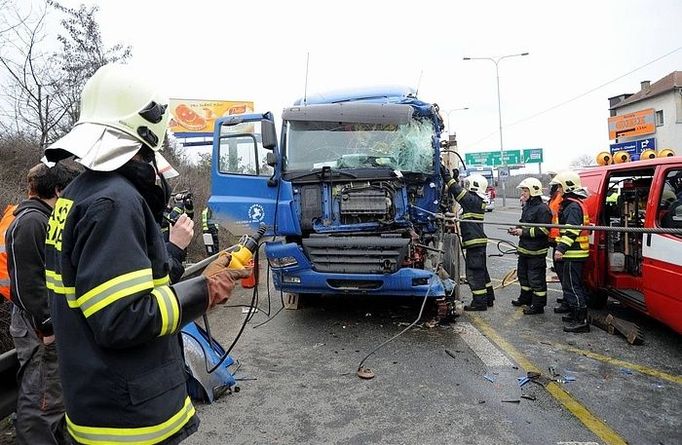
(493, 158)
(532, 156)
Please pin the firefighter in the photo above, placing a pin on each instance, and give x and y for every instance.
(572, 249)
(474, 239)
(40, 406)
(210, 231)
(114, 311)
(532, 249)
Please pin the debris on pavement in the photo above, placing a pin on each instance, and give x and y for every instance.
(450, 353)
(614, 325)
(528, 397)
(489, 378)
(512, 401)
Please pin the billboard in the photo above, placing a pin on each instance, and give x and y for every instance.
(196, 117)
(632, 124)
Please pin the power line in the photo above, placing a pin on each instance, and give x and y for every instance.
(532, 116)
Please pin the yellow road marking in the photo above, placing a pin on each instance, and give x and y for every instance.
(593, 423)
(623, 364)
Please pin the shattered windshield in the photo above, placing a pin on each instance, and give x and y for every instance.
(404, 147)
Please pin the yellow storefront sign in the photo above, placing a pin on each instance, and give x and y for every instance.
(199, 116)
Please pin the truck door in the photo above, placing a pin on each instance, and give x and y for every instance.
(662, 268)
(244, 172)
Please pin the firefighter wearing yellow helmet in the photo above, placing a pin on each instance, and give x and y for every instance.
(115, 312)
(532, 248)
(572, 251)
(474, 240)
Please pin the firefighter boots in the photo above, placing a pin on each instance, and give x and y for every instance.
(580, 323)
(533, 309)
(562, 309)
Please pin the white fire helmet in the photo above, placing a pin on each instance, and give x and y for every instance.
(120, 110)
(533, 185)
(477, 184)
(568, 180)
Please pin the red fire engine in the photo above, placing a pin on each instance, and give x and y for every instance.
(642, 270)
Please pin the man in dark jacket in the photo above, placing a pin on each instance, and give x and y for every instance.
(115, 311)
(573, 249)
(474, 240)
(532, 250)
(40, 406)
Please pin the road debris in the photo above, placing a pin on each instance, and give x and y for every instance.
(489, 378)
(529, 397)
(614, 325)
(512, 401)
(523, 380)
(365, 373)
(450, 353)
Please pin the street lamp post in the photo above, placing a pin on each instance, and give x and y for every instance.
(448, 159)
(496, 61)
(448, 114)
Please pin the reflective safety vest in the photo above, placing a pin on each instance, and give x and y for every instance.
(554, 205)
(7, 218)
(580, 248)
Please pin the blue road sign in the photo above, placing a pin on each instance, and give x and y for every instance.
(635, 148)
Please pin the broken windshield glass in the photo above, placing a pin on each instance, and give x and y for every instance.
(404, 147)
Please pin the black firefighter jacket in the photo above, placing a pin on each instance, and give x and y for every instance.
(534, 240)
(473, 207)
(25, 242)
(115, 315)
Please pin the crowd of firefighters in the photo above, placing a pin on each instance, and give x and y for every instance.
(95, 283)
(570, 247)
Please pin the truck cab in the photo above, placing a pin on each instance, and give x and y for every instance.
(643, 271)
(349, 192)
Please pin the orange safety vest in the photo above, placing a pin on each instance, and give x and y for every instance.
(554, 205)
(7, 218)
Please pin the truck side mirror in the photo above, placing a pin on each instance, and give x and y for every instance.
(268, 134)
(270, 159)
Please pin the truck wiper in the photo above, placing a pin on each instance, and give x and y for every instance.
(323, 173)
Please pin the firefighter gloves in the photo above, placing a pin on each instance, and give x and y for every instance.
(221, 280)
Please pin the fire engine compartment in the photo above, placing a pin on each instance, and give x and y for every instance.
(627, 210)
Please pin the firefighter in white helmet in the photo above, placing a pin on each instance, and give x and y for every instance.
(572, 250)
(474, 240)
(532, 249)
(115, 313)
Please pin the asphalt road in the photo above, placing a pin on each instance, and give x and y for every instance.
(298, 380)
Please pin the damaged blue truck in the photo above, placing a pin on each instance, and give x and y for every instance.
(351, 191)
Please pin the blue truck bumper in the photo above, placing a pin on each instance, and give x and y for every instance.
(292, 272)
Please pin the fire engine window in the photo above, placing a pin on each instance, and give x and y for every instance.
(670, 205)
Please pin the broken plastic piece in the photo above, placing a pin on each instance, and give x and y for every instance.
(523, 380)
(489, 378)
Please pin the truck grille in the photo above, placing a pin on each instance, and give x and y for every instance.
(356, 254)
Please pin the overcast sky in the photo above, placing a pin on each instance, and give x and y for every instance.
(256, 50)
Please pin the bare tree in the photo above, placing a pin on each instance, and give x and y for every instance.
(44, 91)
(584, 160)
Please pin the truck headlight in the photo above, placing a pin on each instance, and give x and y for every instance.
(284, 261)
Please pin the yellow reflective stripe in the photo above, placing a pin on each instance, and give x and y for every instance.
(473, 216)
(450, 182)
(532, 232)
(567, 240)
(525, 288)
(53, 281)
(576, 254)
(539, 293)
(147, 435)
(532, 252)
(161, 281)
(573, 231)
(461, 195)
(544, 230)
(168, 308)
(115, 289)
(479, 292)
(488, 284)
(475, 241)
